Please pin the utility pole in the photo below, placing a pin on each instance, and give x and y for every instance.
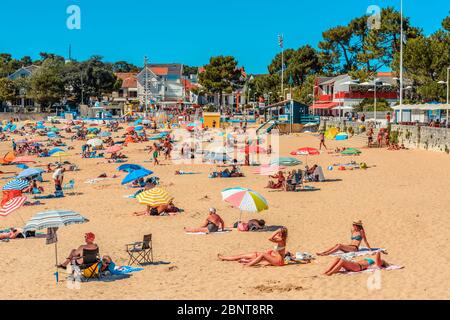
(146, 85)
(281, 43)
(401, 59)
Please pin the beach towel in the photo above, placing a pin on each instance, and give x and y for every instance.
(371, 269)
(360, 252)
(218, 232)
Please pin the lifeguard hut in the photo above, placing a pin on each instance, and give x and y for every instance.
(211, 119)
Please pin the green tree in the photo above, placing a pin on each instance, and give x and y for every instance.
(7, 90)
(47, 86)
(221, 75)
(188, 70)
(123, 66)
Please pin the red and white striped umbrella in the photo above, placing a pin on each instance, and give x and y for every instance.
(12, 205)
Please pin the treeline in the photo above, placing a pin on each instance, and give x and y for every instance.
(57, 79)
(355, 49)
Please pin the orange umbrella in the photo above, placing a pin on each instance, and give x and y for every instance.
(8, 158)
(113, 149)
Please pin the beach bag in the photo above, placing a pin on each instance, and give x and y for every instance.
(242, 226)
(154, 212)
(92, 271)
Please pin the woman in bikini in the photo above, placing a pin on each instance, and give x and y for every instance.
(357, 236)
(356, 266)
(273, 257)
(281, 179)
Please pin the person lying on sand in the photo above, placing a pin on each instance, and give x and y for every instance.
(213, 223)
(357, 235)
(356, 266)
(12, 234)
(77, 254)
(273, 257)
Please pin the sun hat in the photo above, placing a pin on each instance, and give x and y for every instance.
(358, 223)
(213, 210)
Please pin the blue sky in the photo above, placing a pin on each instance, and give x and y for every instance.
(187, 31)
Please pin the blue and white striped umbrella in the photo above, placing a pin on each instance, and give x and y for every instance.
(54, 219)
(30, 172)
(16, 184)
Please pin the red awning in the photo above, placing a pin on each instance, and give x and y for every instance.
(328, 105)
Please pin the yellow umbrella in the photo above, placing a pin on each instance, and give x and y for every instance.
(154, 197)
(59, 155)
(91, 136)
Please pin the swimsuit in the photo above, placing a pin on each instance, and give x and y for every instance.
(369, 262)
(212, 227)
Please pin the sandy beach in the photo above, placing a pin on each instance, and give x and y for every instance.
(402, 200)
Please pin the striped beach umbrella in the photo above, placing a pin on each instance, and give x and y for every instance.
(245, 199)
(59, 155)
(54, 219)
(30, 172)
(16, 184)
(12, 205)
(23, 160)
(154, 197)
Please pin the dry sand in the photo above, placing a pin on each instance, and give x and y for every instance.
(403, 202)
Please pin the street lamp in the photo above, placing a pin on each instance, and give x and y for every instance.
(448, 91)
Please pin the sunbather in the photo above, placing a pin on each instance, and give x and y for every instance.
(356, 266)
(77, 254)
(280, 181)
(357, 236)
(12, 234)
(273, 257)
(213, 223)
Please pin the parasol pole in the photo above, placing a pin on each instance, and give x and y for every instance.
(56, 260)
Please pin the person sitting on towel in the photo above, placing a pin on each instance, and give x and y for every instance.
(77, 254)
(213, 223)
(356, 266)
(12, 234)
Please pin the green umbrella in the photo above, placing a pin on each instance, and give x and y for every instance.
(350, 151)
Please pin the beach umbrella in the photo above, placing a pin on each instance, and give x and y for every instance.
(22, 166)
(12, 205)
(54, 129)
(306, 151)
(129, 167)
(139, 128)
(59, 155)
(351, 151)
(16, 184)
(51, 134)
(245, 199)
(113, 149)
(30, 172)
(40, 127)
(95, 142)
(135, 175)
(90, 136)
(105, 134)
(93, 130)
(130, 129)
(23, 160)
(341, 136)
(286, 161)
(154, 197)
(54, 150)
(54, 219)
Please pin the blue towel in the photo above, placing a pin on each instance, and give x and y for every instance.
(122, 270)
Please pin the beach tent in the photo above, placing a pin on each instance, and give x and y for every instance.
(341, 136)
(8, 158)
(331, 133)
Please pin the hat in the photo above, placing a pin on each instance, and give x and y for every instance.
(90, 236)
(212, 210)
(358, 223)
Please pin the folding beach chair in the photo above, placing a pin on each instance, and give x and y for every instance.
(141, 252)
(70, 185)
(91, 262)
